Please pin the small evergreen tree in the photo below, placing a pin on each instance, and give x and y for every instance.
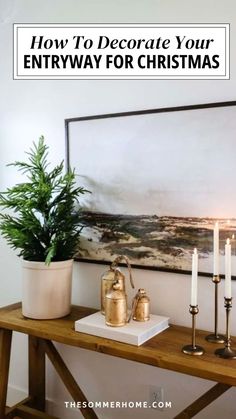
(43, 222)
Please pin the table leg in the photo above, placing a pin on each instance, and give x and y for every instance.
(36, 373)
(203, 401)
(5, 353)
(68, 380)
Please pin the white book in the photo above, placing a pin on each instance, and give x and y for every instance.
(134, 333)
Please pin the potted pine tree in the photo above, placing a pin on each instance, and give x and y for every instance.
(42, 220)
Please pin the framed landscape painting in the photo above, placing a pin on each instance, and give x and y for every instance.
(159, 180)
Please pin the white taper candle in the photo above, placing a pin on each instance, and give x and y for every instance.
(228, 291)
(216, 249)
(194, 278)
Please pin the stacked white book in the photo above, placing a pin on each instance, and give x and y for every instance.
(134, 333)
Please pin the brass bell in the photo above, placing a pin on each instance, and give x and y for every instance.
(116, 306)
(141, 306)
(114, 275)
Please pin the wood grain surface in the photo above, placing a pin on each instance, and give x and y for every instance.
(164, 350)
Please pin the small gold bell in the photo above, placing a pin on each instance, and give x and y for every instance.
(141, 306)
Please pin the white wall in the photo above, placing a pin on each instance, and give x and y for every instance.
(31, 108)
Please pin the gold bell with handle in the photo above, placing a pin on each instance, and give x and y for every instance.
(141, 306)
(114, 274)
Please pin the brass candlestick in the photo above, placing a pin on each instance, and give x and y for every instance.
(227, 352)
(215, 337)
(193, 349)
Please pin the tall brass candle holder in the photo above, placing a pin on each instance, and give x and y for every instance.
(193, 349)
(227, 352)
(215, 337)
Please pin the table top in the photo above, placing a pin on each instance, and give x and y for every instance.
(163, 350)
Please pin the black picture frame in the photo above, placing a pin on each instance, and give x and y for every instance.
(155, 111)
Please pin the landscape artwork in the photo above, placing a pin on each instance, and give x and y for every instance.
(157, 185)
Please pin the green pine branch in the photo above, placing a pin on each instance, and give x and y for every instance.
(44, 225)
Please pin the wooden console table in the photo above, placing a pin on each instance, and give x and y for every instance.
(164, 351)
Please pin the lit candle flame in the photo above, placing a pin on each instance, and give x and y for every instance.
(228, 241)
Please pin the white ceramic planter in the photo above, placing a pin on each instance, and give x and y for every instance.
(46, 289)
